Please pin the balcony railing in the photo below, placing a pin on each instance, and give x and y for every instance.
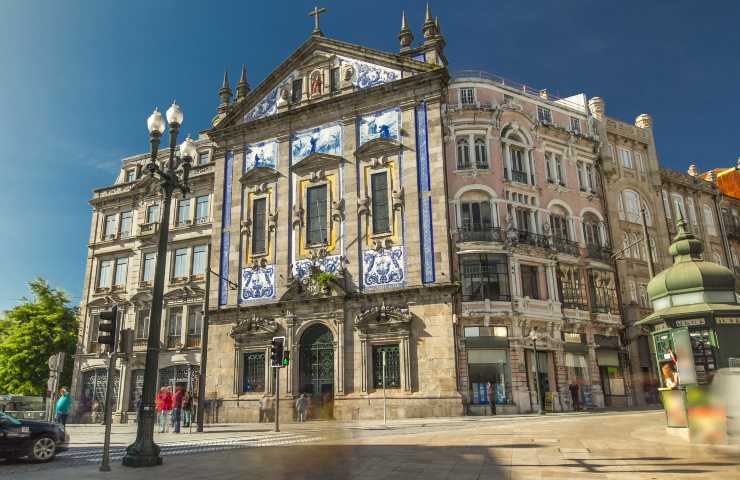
(479, 233)
(518, 176)
(598, 252)
(174, 341)
(563, 245)
(140, 343)
(534, 239)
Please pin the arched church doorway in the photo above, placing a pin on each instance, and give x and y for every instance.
(317, 370)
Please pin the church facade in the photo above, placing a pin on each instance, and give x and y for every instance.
(331, 184)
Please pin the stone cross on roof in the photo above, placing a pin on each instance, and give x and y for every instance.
(316, 13)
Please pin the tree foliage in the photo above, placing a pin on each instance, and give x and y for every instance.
(32, 332)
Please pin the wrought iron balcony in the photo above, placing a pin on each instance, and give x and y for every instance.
(140, 343)
(598, 252)
(192, 340)
(146, 229)
(520, 177)
(479, 233)
(563, 245)
(534, 239)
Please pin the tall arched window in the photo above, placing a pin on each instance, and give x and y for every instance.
(591, 235)
(709, 220)
(631, 205)
(481, 153)
(463, 154)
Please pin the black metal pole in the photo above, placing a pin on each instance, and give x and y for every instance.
(537, 385)
(108, 413)
(144, 452)
(204, 348)
(648, 246)
(277, 398)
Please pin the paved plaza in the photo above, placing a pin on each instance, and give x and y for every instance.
(631, 445)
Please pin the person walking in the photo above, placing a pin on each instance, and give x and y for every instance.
(263, 409)
(62, 407)
(301, 405)
(575, 394)
(491, 392)
(177, 407)
(164, 408)
(187, 409)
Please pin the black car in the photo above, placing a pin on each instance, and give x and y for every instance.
(39, 441)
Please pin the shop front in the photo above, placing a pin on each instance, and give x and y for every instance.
(488, 361)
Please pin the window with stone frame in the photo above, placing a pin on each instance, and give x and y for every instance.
(591, 234)
(485, 276)
(559, 225)
(119, 277)
(334, 80)
(463, 154)
(194, 326)
(297, 90)
(575, 125)
(666, 204)
(481, 153)
(202, 211)
(530, 281)
(544, 115)
(518, 165)
(200, 252)
(709, 224)
(127, 224)
(573, 292)
(626, 158)
(467, 96)
(94, 384)
(259, 226)
(142, 324)
(180, 264)
(183, 212)
(392, 366)
(691, 211)
(148, 265)
(253, 372)
(105, 272)
(130, 175)
(109, 229)
(152, 213)
(317, 231)
(204, 158)
(380, 211)
(475, 216)
(174, 327)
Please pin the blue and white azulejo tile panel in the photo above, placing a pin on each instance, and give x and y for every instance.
(262, 154)
(385, 124)
(330, 264)
(267, 106)
(258, 283)
(384, 268)
(324, 139)
(370, 75)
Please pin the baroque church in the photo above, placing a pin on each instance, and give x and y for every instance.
(330, 215)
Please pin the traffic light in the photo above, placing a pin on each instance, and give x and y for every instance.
(277, 351)
(286, 358)
(107, 328)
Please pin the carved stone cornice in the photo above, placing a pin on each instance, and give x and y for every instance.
(259, 175)
(383, 319)
(255, 329)
(317, 162)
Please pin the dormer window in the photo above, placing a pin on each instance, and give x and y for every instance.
(575, 125)
(130, 175)
(467, 96)
(544, 115)
(203, 158)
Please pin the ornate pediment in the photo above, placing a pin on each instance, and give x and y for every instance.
(378, 147)
(184, 293)
(309, 280)
(259, 175)
(141, 298)
(255, 329)
(317, 162)
(108, 300)
(360, 68)
(383, 319)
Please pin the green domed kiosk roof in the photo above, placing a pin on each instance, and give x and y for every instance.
(691, 280)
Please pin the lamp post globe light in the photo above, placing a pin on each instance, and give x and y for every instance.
(534, 336)
(174, 175)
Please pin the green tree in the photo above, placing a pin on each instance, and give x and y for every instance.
(32, 332)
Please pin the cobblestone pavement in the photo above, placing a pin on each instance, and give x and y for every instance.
(602, 446)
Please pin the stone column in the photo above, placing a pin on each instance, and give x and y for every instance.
(284, 207)
(351, 241)
(339, 362)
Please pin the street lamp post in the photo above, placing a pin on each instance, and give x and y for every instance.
(534, 336)
(174, 176)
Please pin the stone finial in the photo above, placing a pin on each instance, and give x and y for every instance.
(225, 94)
(242, 87)
(692, 170)
(597, 106)
(405, 36)
(644, 121)
(544, 94)
(428, 28)
(436, 26)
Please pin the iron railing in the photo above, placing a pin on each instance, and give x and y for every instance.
(520, 177)
(563, 245)
(534, 239)
(598, 252)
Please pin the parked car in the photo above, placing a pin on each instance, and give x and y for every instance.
(38, 441)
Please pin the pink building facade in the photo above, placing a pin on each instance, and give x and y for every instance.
(531, 249)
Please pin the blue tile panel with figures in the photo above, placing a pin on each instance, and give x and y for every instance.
(385, 124)
(425, 201)
(223, 291)
(258, 283)
(370, 75)
(268, 105)
(329, 264)
(262, 154)
(384, 268)
(324, 139)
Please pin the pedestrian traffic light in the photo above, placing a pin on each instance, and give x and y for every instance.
(277, 351)
(108, 327)
(286, 358)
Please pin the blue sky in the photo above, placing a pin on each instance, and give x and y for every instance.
(78, 79)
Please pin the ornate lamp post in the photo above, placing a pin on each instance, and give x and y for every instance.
(534, 336)
(171, 176)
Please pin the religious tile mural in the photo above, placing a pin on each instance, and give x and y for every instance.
(385, 124)
(258, 283)
(368, 75)
(324, 139)
(262, 154)
(330, 264)
(269, 103)
(384, 268)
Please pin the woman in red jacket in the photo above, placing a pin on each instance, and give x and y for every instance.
(164, 407)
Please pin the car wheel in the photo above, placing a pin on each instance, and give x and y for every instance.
(43, 449)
